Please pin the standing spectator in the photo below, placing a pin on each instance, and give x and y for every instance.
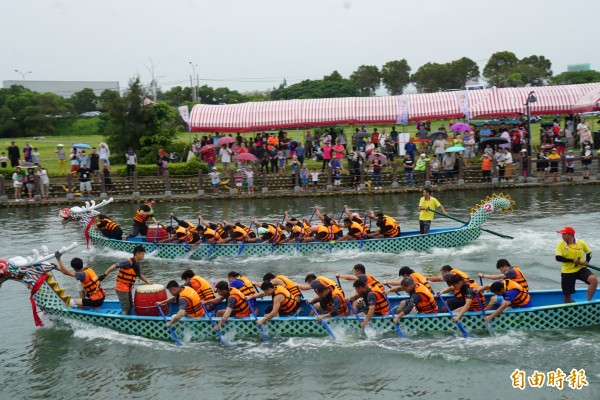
(210, 158)
(27, 153)
(44, 182)
(554, 159)
(95, 163)
(30, 183)
(354, 168)
(62, 159)
(326, 155)
(448, 166)
(284, 144)
(3, 160)
(337, 178)
(304, 178)
(14, 154)
(215, 179)
(18, 178)
(308, 144)
(469, 144)
(395, 141)
(516, 140)
(409, 148)
(508, 165)
(315, 179)
(250, 179)
(281, 159)
(439, 146)
(570, 163)
(542, 166)
(559, 143)
(35, 156)
(409, 167)
(161, 162)
(131, 158)
(586, 161)
(84, 159)
(434, 170)
(239, 180)
(569, 134)
(74, 160)
(300, 153)
(484, 134)
(524, 160)
(422, 136)
(376, 165)
(85, 184)
(486, 168)
(273, 159)
(104, 153)
(388, 150)
(383, 138)
(264, 158)
(341, 139)
(225, 154)
(375, 137)
(107, 179)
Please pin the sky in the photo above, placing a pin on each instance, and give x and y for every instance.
(254, 45)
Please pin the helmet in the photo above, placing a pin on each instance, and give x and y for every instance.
(65, 213)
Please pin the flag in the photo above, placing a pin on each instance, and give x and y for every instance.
(402, 111)
(184, 111)
(462, 99)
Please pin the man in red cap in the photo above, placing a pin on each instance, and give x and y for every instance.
(571, 253)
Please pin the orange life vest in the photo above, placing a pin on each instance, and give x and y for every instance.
(289, 303)
(329, 283)
(306, 232)
(138, 217)
(328, 233)
(109, 225)
(381, 306)
(239, 234)
(91, 285)
(475, 304)
(276, 233)
(395, 229)
(184, 235)
(126, 277)
(343, 310)
(358, 230)
(241, 308)
(210, 235)
(290, 286)
(520, 279)
(427, 304)
(522, 298)
(418, 278)
(193, 308)
(248, 288)
(374, 283)
(202, 287)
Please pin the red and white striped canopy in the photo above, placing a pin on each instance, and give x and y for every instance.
(491, 102)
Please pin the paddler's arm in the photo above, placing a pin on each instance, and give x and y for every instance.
(394, 289)
(167, 301)
(346, 277)
(368, 317)
(499, 276)
(462, 310)
(498, 311)
(257, 296)
(202, 221)
(482, 288)
(347, 211)
(304, 286)
(61, 266)
(144, 279)
(392, 283)
(274, 312)
(446, 290)
(180, 314)
(216, 300)
(108, 271)
(435, 278)
(224, 318)
(319, 215)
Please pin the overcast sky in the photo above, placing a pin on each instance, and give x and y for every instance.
(253, 45)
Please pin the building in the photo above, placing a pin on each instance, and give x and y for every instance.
(64, 88)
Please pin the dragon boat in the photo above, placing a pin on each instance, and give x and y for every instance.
(410, 240)
(548, 312)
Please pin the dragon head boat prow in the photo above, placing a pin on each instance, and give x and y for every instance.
(83, 214)
(495, 203)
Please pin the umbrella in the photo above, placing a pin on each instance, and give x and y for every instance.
(82, 146)
(246, 157)
(495, 140)
(381, 157)
(207, 148)
(461, 127)
(455, 149)
(225, 140)
(434, 135)
(362, 135)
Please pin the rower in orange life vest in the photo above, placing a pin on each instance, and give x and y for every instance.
(313, 281)
(237, 305)
(331, 224)
(129, 271)
(388, 226)
(284, 281)
(355, 231)
(284, 303)
(298, 230)
(187, 299)
(140, 219)
(374, 300)
(507, 271)
(237, 233)
(207, 235)
(465, 296)
(181, 235)
(268, 233)
(419, 297)
(218, 228)
(108, 227)
(355, 217)
(360, 273)
(91, 292)
(244, 285)
(199, 284)
(332, 302)
(445, 270)
(407, 272)
(513, 295)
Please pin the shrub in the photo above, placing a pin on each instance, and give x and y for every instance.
(185, 168)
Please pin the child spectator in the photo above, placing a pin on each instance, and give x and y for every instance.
(524, 160)
(304, 178)
(3, 160)
(570, 163)
(30, 183)
(18, 178)
(250, 179)
(215, 179)
(239, 180)
(35, 156)
(486, 167)
(315, 179)
(337, 179)
(44, 182)
(281, 159)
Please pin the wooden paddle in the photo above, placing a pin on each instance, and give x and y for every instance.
(465, 222)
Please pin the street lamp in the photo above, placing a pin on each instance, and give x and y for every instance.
(194, 87)
(530, 99)
(23, 74)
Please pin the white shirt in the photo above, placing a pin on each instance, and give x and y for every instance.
(225, 155)
(315, 176)
(43, 176)
(214, 177)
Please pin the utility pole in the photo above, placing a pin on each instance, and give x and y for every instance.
(153, 82)
(194, 87)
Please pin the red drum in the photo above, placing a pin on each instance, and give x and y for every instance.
(156, 232)
(146, 297)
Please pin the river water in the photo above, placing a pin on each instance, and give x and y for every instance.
(69, 361)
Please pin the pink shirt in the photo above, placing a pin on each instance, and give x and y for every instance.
(326, 152)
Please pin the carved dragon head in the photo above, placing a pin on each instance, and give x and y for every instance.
(82, 214)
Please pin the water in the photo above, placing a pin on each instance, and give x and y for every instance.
(69, 361)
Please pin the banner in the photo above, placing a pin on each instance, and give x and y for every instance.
(462, 99)
(184, 111)
(402, 111)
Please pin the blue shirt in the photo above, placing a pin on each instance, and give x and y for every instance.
(510, 295)
(484, 134)
(410, 148)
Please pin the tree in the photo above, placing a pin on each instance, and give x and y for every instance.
(131, 124)
(462, 71)
(395, 75)
(84, 100)
(576, 77)
(367, 78)
(177, 95)
(535, 70)
(431, 77)
(499, 67)
(333, 85)
(106, 97)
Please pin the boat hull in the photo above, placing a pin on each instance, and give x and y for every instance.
(453, 237)
(547, 314)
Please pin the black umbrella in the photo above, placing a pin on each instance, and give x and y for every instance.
(434, 135)
(495, 140)
(362, 135)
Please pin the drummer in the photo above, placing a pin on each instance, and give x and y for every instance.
(140, 219)
(129, 271)
(187, 299)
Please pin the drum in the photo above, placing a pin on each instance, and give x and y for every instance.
(156, 232)
(146, 297)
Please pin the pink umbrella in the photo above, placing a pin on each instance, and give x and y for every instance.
(246, 157)
(379, 156)
(225, 140)
(461, 127)
(207, 148)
